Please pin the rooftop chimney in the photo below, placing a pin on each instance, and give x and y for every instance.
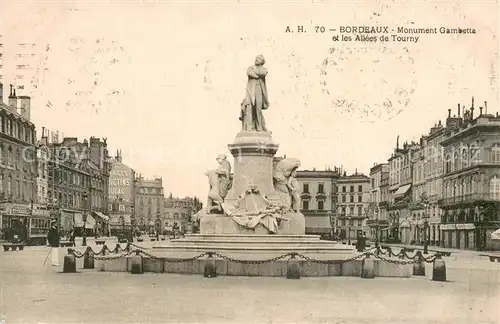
(13, 98)
(480, 111)
(472, 102)
(472, 112)
(486, 107)
(1, 92)
(449, 113)
(458, 110)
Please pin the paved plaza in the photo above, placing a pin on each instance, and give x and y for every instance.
(32, 293)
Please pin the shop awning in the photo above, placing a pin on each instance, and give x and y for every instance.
(90, 223)
(402, 191)
(102, 216)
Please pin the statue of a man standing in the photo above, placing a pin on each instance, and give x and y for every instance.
(256, 99)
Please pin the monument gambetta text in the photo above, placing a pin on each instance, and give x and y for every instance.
(259, 198)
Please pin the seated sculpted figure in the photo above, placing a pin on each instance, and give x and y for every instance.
(214, 200)
(282, 173)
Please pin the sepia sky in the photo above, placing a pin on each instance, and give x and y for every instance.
(164, 81)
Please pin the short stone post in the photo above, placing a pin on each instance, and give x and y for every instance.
(88, 258)
(438, 269)
(210, 270)
(419, 265)
(136, 264)
(102, 264)
(69, 262)
(367, 268)
(118, 248)
(402, 253)
(293, 267)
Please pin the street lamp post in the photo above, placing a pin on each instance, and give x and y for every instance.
(349, 231)
(426, 245)
(426, 205)
(84, 234)
(376, 228)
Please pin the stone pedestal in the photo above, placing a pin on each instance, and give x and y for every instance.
(253, 154)
(222, 224)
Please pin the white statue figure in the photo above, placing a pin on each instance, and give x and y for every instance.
(294, 188)
(282, 182)
(224, 174)
(256, 99)
(214, 200)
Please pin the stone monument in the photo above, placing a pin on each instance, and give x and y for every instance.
(260, 198)
(253, 212)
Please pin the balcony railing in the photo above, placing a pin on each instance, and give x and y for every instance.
(465, 199)
(375, 222)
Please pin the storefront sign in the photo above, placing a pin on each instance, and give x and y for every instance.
(451, 227)
(41, 212)
(20, 210)
(121, 179)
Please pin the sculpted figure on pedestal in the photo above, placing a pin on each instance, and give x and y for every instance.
(214, 200)
(256, 99)
(294, 188)
(224, 174)
(220, 183)
(285, 184)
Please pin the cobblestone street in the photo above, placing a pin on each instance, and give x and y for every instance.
(34, 294)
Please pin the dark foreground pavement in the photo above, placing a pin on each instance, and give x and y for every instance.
(31, 293)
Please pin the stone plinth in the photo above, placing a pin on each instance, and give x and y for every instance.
(253, 154)
(254, 246)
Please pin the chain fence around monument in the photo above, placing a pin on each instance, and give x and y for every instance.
(384, 254)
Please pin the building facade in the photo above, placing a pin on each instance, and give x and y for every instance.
(121, 194)
(18, 171)
(471, 180)
(180, 211)
(377, 215)
(353, 195)
(433, 173)
(319, 200)
(78, 185)
(401, 222)
(149, 204)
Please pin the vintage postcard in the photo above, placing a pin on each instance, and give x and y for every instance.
(249, 162)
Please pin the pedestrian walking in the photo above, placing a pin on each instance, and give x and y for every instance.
(361, 243)
(53, 239)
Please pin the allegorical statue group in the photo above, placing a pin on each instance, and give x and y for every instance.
(255, 101)
(284, 180)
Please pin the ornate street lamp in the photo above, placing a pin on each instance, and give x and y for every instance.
(84, 238)
(158, 226)
(349, 230)
(425, 203)
(376, 227)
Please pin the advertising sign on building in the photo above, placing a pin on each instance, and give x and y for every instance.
(121, 180)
